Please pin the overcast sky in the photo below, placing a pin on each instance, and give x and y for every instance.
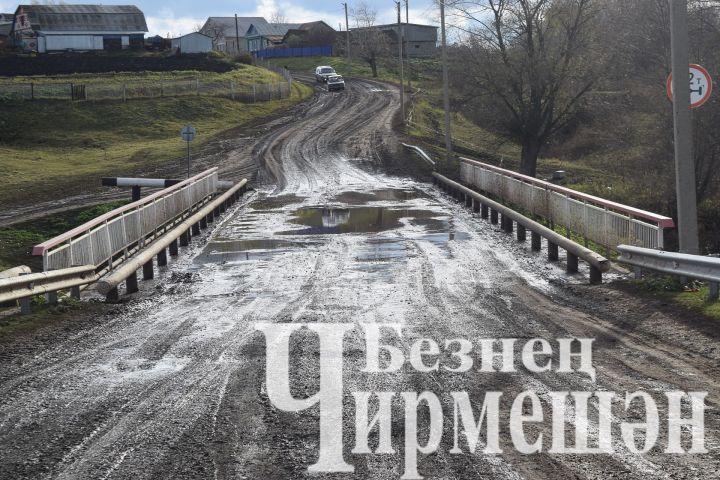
(181, 16)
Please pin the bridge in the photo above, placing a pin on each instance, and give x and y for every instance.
(170, 382)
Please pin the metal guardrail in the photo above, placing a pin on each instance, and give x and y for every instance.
(420, 152)
(602, 221)
(25, 286)
(489, 208)
(697, 267)
(110, 238)
(144, 259)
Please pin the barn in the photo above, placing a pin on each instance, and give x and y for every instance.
(46, 28)
(195, 42)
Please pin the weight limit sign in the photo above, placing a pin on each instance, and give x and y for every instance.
(700, 86)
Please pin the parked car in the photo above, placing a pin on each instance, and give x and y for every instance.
(335, 82)
(321, 73)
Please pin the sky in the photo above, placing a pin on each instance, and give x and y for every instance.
(182, 16)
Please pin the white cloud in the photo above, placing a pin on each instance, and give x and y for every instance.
(166, 23)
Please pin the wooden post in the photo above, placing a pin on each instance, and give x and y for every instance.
(572, 263)
(493, 216)
(131, 283)
(521, 235)
(162, 258)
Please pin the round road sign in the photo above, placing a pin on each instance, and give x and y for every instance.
(700, 86)
(188, 133)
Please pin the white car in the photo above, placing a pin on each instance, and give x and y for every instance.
(323, 72)
(335, 82)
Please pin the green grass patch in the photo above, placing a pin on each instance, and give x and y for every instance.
(693, 296)
(54, 143)
(242, 74)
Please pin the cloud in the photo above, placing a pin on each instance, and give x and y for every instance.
(166, 23)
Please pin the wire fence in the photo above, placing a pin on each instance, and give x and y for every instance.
(246, 93)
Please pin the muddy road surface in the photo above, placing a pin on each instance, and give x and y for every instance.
(172, 384)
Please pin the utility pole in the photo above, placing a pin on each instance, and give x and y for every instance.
(446, 95)
(400, 56)
(684, 161)
(347, 32)
(407, 51)
(237, 35)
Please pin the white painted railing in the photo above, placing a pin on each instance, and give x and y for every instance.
(601, 221)
(107, 239)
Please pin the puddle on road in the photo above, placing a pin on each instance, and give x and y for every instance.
(273, 203)
(328, 221)
(382, 195)
(228, 250)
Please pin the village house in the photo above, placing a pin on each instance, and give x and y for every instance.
(310, 34)
(420, 40)
(229, 34)
(45, 28)
(262, 36)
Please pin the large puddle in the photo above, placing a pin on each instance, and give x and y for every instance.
(327, 221)
(391, 218)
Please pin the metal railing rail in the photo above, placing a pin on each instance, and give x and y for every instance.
(696, 267)
(420, 152)
(598, 263)
(144, 259)
(603, 221)
(28, 285)
(105, 240)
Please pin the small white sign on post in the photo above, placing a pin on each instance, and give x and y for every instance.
(188, 133)
(700, 86)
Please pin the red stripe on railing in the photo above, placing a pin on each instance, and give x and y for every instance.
(43, 247)
(660, 220)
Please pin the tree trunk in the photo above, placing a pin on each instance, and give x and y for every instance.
(373, 66)
(529, 156)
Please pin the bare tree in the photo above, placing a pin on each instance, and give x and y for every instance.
(369, 42)
(278, 17)
(215, 31)
(529, 62)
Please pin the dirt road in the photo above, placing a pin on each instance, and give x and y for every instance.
(172, 384)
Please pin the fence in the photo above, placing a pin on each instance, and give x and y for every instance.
(112, 237)
(167, 88)
(601, 221)
(294, 52)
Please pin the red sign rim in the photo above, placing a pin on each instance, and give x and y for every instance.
(705, 97)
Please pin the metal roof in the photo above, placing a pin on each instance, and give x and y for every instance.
(77, 18)
(274, 29)
(228, 24)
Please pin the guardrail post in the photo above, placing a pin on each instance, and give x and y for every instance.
(552, 251)
(484, 211)
(162, 258)
(493, 216)
(572, 263)
(113, 295)
(475, 205)
(203, 223)
(75, 292)
(468, 200)
(714, 290)
(595, 275)
(521, 233)
(148, 271)
(508, 224)
(535, 241)
(52, 298)
(196, 229)
(638, 273)
(131, 283)
(25, 306)
(211, 217)
(185, 238)
(174, 248)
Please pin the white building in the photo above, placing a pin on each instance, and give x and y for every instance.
(44, 28)
(195, 42)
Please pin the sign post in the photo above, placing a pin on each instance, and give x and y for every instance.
(685, 187)
(188, 133)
